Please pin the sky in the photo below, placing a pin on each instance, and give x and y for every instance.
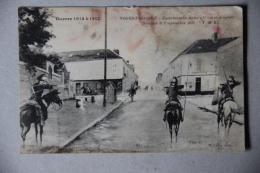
(145, 42)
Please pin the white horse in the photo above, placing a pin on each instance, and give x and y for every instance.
(228, 114)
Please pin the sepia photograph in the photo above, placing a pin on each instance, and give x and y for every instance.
(131, 79)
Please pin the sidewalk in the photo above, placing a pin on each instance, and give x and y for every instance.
(65, 125)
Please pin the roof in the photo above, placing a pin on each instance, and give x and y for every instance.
(206, 46)
(87, 55)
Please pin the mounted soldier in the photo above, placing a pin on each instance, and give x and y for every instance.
(172, 92)
(38, 87)
(226, 92)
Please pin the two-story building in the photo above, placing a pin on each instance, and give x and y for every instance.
(87, 69)
(198, 66)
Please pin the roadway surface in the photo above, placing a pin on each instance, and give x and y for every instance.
(138, 127)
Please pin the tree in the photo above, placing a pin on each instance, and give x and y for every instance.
(33, 34)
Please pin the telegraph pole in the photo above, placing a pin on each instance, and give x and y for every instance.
(105, 60)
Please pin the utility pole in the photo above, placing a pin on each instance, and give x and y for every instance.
(105, 60)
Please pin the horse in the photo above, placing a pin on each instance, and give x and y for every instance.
(28, 114)
(173, 118)
(228, 112)
(230, 109)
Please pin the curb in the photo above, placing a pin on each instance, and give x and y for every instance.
(82, 130)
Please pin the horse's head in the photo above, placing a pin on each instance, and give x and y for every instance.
(53, 97)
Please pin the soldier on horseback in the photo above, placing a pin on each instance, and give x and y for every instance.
(41, 108)
(226, 92)
(172, 92)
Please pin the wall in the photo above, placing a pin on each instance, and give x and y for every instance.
(130, 77)
(174, 69)
(94, 70)
(188, 65)
(26, 81)
(207, 71)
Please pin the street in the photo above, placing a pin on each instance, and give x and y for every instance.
(138, 127)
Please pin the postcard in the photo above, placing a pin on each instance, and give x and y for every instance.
(131, 79)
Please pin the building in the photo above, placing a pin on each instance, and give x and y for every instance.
(198, 65)
(87, 69)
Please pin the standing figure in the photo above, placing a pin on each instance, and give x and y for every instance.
(132, 90)
(50, 72)
(172, 92)
(84, 92)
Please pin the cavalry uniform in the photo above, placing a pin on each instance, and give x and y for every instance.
(36, 99)
(172, 93)
(227, 92)
(38, 90)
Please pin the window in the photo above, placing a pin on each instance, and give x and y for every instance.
(114, 67)
(198, 64)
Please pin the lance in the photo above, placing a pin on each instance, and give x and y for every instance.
(186, 90)
(225, 76)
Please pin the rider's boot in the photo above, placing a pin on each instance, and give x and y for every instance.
(180, 111)
(39, 113)
(219, 109)
(164, 117)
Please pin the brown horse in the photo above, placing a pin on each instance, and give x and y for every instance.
(173, 118)
(28, 114)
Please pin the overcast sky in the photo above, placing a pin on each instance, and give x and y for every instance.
(149, 47)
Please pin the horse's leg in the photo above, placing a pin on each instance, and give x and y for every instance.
(41, 132)
(171, 134)
(222, 117)
(176, 130)
(218, 120)
(26, 129)
(231, 119)
(170, 129)
(36, 133)
(22, 131)
(177, 124)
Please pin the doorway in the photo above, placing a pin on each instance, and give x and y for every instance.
(198, 85)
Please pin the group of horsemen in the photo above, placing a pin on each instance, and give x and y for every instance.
(172, 92)
(226, 90)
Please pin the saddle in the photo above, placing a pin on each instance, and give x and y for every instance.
(227, 99)
(224, 101)
(30, 103)
(172, 105)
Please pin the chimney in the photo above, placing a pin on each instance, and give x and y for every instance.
(116, 51)
(215, 37)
